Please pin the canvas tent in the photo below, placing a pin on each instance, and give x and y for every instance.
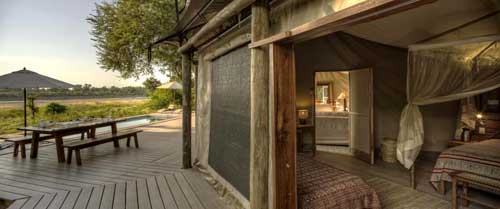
(229, 43)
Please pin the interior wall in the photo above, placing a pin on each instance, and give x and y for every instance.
(341, 51)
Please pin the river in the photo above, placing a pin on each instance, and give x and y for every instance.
(42, 102)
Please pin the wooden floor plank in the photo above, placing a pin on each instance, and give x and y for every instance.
(10, 196)
(142, 194)
(108, 197)
(83, 198)
(20, 191)
(179, 197)
(166, 194)
(53, 197)
(32, 202)
(120, 193)
(27, 186)
(71, 199)
(38, 177)
(131, 195)
(192, 198)
(95, 198)
(45, 201)
(204, 191)
(154, 193)
(149, 177)
(18, 204)
(30, 179)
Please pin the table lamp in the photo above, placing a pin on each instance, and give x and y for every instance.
(480, 124)
(303, 115)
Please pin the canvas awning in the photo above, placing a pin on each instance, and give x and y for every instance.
(28, 79)
(171, 85)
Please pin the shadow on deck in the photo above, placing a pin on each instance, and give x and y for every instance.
(123, 178)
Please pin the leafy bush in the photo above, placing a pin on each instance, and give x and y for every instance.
(55, 108)
(162, 98)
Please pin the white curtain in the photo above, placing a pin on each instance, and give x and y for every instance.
(440, 73)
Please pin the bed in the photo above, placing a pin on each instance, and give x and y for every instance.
(482, 159)
(320, 186)
(332, 128)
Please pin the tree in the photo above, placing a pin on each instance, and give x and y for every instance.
(122, 29)
(151, 84)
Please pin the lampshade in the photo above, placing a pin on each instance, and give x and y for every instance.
(303, 114)
(479, 116)
(341, 96)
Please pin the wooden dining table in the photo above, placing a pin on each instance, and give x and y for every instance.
(61, 129)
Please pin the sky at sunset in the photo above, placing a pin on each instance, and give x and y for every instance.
(51, 37)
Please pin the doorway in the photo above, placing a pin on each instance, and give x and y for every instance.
(343, 115)
(331, 116)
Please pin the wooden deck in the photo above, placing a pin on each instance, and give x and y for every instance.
(124, 178)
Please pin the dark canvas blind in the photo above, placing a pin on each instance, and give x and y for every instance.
(229, 153)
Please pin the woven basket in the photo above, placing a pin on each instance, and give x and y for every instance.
(389, 150)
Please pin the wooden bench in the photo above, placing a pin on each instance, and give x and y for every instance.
(100, 139)
(468, 179)
(20, 142)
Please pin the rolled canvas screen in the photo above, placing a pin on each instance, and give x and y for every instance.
(229, 153)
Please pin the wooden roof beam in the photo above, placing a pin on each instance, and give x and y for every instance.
(229, 11)
(363, 12)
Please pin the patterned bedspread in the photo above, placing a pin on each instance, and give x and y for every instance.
(481, 158)
(321, 186)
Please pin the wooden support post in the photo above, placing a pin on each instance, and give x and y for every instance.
(25, 119)
(259, 97)
(186, 110)
(231, 9)
(284, 123)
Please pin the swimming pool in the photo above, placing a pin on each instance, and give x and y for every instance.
(137, 121)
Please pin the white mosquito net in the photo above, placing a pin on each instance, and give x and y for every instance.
(440, 73)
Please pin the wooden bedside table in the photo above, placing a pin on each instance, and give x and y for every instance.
(301, 128)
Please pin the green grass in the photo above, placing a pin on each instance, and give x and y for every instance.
(12, 118)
